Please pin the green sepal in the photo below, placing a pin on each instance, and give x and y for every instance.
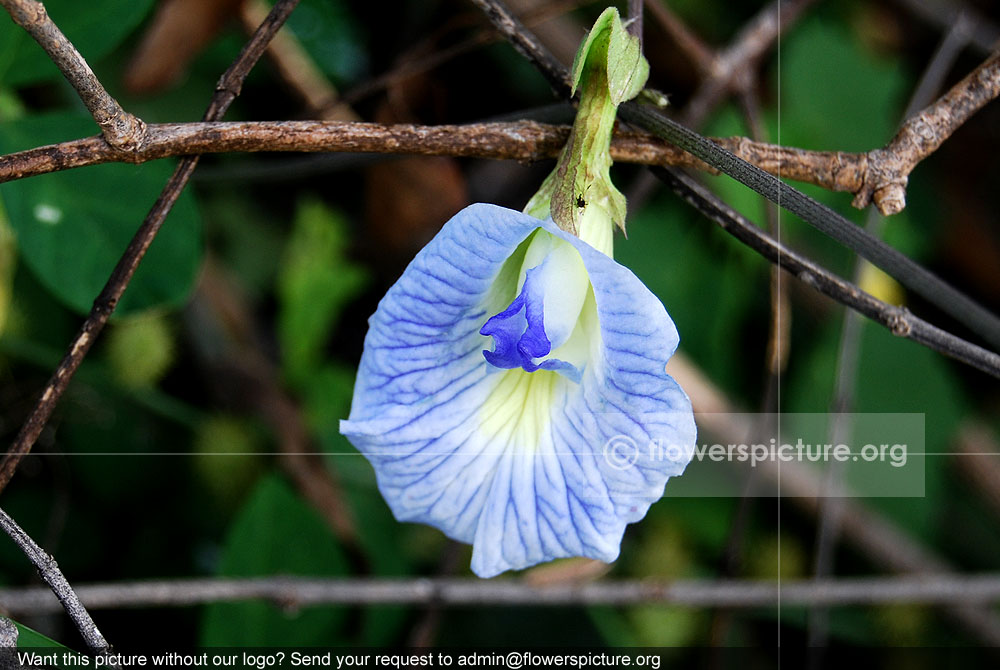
(608, 69)
(624, 68)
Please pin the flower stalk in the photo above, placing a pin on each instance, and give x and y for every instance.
(579, 196)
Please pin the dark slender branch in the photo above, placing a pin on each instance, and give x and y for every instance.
(897, 319)
(49, 571)
(910, 274)
(524, 41)
(306, 592)
(121, 129)
(824, 219)
(227, 89)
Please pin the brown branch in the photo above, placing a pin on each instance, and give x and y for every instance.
(522, 141)
(888, 169)
(880, 173)
(121, 129)
(228, 88)
(944, 589)
(525, 141)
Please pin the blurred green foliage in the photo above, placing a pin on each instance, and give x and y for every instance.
(297, 253)
(71, 226)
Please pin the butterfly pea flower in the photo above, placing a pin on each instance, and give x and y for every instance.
(512, 391)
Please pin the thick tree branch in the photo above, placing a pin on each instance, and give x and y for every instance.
(521, 140)
(879, 175)
(226, 91)
(121, 129)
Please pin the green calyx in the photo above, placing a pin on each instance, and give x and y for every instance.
(608, 70)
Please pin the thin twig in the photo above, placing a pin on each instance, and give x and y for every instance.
(305, 592)
(226, 91)
(898, 320)
(984, 34)
(687, 41)
(635, 19)
(235, 360)
(888, 169)
(902, 268)
(731, 69)
(527, 45)
(49, 571)
(977, 458)
(122, 130)
(295, 67)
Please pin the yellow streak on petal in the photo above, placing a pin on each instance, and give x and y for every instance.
(518, 412)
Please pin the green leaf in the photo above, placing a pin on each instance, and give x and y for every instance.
(73, 226)
(328, 32)
(699, 266)
(835, 89)
(893, 378)
(29, 638)
(95, 28)
(314, 284)
(276, 534)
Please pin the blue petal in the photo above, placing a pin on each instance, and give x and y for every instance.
(520, 332)
(526, 466)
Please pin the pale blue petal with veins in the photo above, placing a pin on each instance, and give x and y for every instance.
(495, 373)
